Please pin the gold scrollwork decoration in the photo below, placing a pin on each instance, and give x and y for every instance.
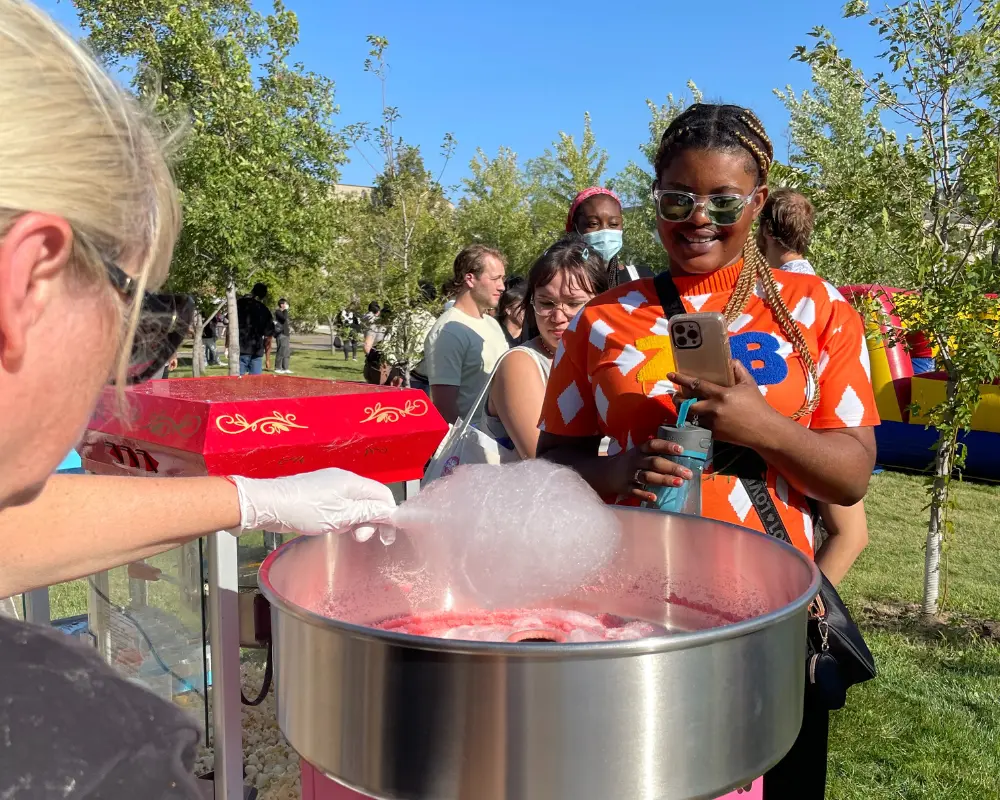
(381, 413)
(163, 425)
(276, 423)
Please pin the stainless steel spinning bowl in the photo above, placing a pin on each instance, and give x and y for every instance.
(678, 717)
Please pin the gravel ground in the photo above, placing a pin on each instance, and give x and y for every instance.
(269, 762)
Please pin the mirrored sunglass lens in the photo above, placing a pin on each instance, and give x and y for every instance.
(675, 206)
(725, 209)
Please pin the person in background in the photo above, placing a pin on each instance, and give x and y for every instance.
(921, 351)
(283, 334)
(785, 228)
(464, 344)
(560, 283)
(256, 326)
(89, 216)
(377, 320)
(222, 327)
(422, 321)
(510, 311)
(806, 430)
(350, 331)
(596, 214)
(209, 335)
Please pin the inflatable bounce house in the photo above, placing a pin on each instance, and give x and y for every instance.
(904, 440)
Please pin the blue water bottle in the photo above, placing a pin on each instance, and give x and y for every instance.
(697, 445)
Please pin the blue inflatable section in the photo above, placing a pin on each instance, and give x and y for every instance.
(71, 463)
(905, 446)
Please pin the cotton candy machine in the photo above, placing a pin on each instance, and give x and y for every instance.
(706, 703)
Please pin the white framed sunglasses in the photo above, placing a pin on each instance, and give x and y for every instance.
(673, 205)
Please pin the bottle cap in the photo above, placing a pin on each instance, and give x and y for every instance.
(697, 442)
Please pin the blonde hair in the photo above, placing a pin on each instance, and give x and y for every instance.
(77, 145)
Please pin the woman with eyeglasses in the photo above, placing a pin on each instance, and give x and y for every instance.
(801, 412)
(560, 283)
(88, 221)
(596, 214)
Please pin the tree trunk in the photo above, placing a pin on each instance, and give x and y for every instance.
(197, 348)
(333, 335)
(233, 331)
(944, 462)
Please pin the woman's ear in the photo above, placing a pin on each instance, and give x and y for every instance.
(34, 255)
(759, 199)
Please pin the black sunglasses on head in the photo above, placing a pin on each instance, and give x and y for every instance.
(164, 321)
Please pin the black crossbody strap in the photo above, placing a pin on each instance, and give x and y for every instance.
(670, 298)
(766, 509)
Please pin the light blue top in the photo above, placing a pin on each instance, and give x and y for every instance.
(72, 461)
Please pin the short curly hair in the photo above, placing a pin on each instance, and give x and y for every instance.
(788, 218)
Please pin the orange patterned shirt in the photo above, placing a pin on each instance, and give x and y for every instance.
(609, 375)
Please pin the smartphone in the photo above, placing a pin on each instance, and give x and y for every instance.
(701, 347)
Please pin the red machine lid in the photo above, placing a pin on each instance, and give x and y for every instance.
(263, 426)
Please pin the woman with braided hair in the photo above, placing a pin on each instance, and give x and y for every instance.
(596, 214)
(801, 412)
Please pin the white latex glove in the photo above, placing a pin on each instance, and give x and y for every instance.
(325, 501)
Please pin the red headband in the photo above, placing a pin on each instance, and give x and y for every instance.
(586, 194)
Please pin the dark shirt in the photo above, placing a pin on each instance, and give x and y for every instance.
(255, 326)
(281, 327)
(72, 728)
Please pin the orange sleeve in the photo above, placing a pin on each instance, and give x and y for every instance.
(569, 409)
(846, 396)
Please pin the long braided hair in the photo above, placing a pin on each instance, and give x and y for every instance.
(733, 128)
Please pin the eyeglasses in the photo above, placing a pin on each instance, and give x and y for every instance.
(548, 308)
(721, 209)
(164, 321)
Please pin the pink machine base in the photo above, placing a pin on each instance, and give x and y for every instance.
(316, 786)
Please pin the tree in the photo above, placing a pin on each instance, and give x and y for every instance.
(260, 158)
(411, 234)
(496, 210)
(930, 204)
(635, 181)
(560, 173)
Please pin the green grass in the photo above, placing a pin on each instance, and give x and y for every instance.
(929, 726)
(305, 363)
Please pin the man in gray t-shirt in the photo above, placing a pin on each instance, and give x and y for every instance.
(464, 344)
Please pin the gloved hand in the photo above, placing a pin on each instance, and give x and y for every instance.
(325, 501)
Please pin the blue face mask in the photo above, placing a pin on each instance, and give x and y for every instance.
(607, 242)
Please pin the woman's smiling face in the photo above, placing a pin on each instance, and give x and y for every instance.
(697, 245)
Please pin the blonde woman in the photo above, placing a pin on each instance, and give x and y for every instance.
(88, 219)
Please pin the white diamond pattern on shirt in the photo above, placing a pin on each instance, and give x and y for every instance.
(628, 443)
(633, 300)
(805, 312)
(762, 388)
(740, 500)
(541, 426)
(740, 323)
(784, 346)
(697, 300)
(576, 320)
(866, 361)
(833, 293)
(660, 327)
(601, 401)
(614, 447)
(570, 402)
(850, 410)
(824, 360)
(662, 388)
(629, 359)
(560, 352)
(599, 333)
(807, 526)
(781, 489)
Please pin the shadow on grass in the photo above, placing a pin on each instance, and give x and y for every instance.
(958, 630)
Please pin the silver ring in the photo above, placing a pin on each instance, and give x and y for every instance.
(636, 480)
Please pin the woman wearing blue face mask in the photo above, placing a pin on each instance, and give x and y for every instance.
(596, 214)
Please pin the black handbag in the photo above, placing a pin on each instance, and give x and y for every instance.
(837, 656)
